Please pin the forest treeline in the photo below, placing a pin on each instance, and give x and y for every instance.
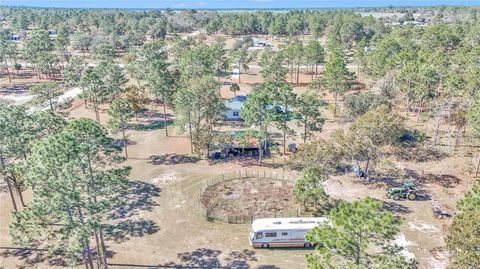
(131, 25)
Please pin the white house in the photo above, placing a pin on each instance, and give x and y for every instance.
(233, 107)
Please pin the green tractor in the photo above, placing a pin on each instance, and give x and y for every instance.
(406, 192)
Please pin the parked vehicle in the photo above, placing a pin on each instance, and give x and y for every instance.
(406, 192)
(283, 232)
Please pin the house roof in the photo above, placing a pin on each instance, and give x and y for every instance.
(236, 103)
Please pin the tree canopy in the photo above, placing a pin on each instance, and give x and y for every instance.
(355, 228)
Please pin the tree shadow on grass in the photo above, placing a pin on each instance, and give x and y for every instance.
(123, 230)
(396, 208)
(119, 142)
(172, 159)
(149, 125)
(444, 180)
(13, 90)
(137, 196)
(32, 256)
(419, 154)
(209, 258)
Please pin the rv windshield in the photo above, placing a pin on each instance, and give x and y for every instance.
(252, 235)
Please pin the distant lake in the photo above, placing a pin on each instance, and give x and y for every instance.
(233, 4)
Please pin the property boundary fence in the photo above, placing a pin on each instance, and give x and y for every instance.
(242, 218)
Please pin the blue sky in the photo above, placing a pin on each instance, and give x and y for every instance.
(231, 3)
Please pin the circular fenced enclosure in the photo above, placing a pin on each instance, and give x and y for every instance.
(240, 198)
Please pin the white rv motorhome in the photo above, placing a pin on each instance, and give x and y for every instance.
(283, 232)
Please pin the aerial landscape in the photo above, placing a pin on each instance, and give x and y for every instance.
(240, 134)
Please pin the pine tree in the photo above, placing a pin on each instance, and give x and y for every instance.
(46, 92)
(310, 193)
(355, 228)
(314, 55)
(464, 234)
(337, 79)
(199, 106)
(120, 113)
(258, 111)
(272, 66)
(308, 109)
(234, 88)
(93, 90)
(75, 175)
(284, 99)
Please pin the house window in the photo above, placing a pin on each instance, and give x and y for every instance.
(236, 114)
(270, 234)
(284, 233)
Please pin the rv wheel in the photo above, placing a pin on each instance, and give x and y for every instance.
(265, 245)
(307, 245)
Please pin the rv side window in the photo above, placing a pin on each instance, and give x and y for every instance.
(270, 234)
(258, 235)
(284, 233)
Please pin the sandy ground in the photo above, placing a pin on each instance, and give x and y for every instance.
(166, 227)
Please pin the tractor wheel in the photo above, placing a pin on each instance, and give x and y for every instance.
(412, 196)
(396, 197)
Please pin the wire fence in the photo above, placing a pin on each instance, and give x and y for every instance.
(211, 215)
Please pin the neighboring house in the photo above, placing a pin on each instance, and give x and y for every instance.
(259, 43)
(233, 107)
(52, 33)
(14, 37)
(414, 23)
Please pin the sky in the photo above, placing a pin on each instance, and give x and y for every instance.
(231, 4)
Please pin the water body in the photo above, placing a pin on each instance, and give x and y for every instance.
(233, 4)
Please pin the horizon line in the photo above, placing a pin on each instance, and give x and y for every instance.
(241, 8)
